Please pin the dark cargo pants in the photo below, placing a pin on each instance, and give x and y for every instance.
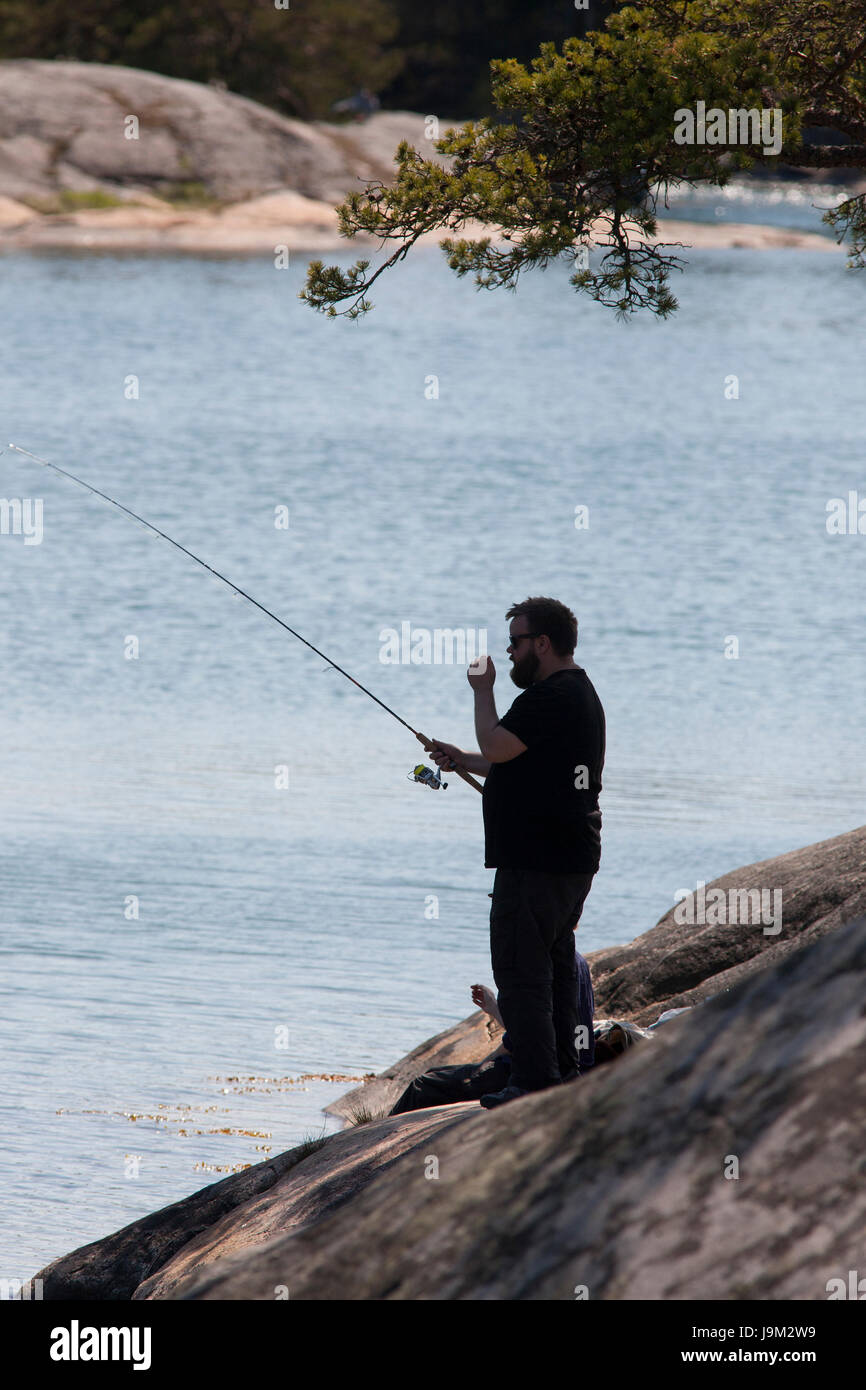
(445, 1085)
(532, 921)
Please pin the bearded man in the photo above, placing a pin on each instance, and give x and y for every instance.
(542, 763)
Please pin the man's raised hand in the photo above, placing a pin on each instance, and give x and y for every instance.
(482, 673)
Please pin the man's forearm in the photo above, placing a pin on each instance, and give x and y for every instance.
(475, 762)
(486, 718)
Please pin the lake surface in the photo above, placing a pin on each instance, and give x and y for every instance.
(281, 935)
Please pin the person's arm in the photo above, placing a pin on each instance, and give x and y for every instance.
(497, 744)
(448, 756)
(485, 999)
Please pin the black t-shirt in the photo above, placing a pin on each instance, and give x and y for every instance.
(534, 815)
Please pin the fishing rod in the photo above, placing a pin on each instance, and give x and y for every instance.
(419, 774)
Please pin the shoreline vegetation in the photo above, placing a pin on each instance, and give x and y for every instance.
(101, 158)
(712, 1162)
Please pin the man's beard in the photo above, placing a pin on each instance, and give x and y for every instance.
(524, 670)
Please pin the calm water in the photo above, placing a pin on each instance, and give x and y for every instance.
(281, 933)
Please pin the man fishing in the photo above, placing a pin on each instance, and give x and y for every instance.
(542, 764)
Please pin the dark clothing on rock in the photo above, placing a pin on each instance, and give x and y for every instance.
(445, 1085)
(535, 817)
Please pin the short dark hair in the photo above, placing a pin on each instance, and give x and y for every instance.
(550, 618)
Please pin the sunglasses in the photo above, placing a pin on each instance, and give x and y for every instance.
(518, 637)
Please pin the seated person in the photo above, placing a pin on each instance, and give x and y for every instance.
(445, 1085)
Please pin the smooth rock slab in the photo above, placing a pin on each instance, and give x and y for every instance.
(615, 1184)
(674, 965)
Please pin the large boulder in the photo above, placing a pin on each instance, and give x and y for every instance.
(677, 963)
(723, 1160)
(64, 130)
(63, 127)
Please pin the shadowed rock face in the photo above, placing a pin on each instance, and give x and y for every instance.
(321, 1184)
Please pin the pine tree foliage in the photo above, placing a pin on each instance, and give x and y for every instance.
(588, 150)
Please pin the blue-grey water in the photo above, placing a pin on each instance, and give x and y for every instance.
(285, 932)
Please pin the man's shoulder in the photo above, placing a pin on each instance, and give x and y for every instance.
(566, 690)
(570, 680)
(570, 696)
(527, 698)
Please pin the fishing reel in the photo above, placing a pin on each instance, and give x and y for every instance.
(427, 776)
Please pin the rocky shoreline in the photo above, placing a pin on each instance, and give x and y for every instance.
(97, 158)
(284, 218)
(721, 1160)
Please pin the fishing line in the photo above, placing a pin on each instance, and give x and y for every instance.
(148, 526)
